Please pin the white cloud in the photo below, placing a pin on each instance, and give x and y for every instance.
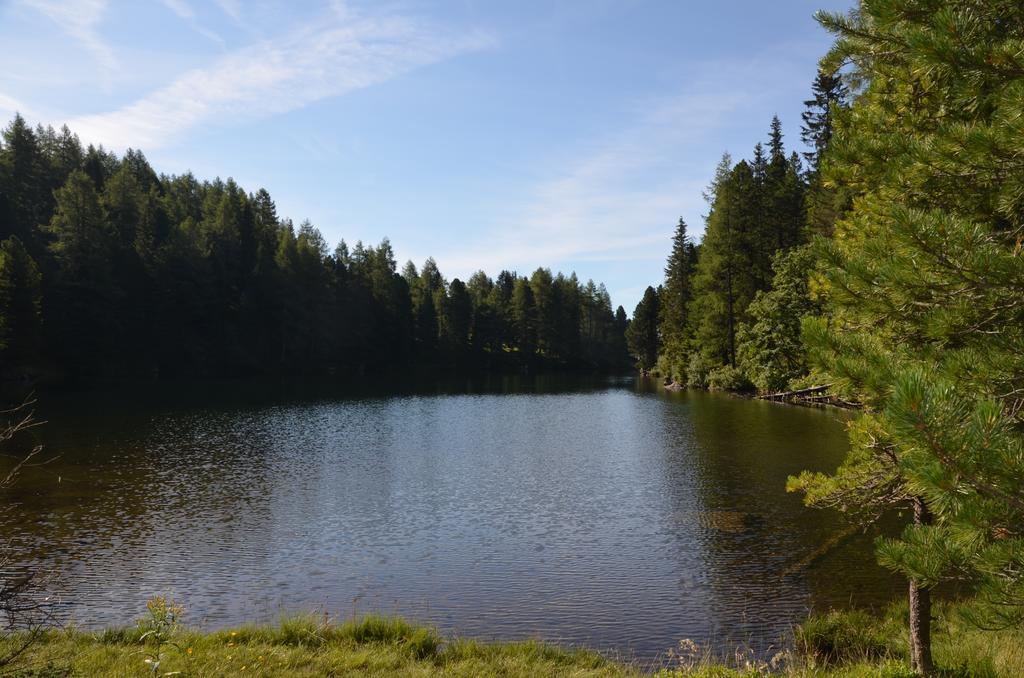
(80, 19)
(181, 8)
(233, 8)
(619, 200)
(9, 106)
(325, 59)
(188, 15)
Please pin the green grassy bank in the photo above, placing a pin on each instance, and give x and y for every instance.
(839, 644)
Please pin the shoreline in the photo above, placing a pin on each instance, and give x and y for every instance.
(837, 644)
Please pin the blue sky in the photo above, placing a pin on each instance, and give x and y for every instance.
(487, 134)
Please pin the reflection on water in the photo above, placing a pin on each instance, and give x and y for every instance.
(605, 513)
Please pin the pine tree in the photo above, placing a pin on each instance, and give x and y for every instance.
(784, 198)
(776, 150)
(501, 300)
(84, 305)
(618, 348)
(524, 310)
(23, 187)
(827, 93)
(546, 311)
(825, 201)
(675, 298)
(726, 275)
(484, 326)
(566, 312)
(771, 352)
(923, 276)
(642, 336)
(20, 304)
(458, 316)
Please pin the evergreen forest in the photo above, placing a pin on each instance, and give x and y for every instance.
(110, 270)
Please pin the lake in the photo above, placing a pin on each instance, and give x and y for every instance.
(604, 512)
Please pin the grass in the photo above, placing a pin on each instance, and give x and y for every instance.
(854, 643)
(301, 646)
(836, 645)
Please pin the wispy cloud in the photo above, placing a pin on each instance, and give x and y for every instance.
(181, 8)
(328, 58)
(9, 106)
(188, 15)
(233, 8)
(619, 199)
(80, 19)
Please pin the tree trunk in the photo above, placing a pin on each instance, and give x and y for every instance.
(921, 611)
(920, 630)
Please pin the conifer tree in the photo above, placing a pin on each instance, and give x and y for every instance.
(546, 311)
(676, 296)
(524, 311)
(825, 201)
(827, 94)
(20, 304)
(726, 275)
(923, 276)
(642, 336)
(618, 348)
(23, 184)
(458, 316)
(484, 325)
(784, 197)
(771, 351)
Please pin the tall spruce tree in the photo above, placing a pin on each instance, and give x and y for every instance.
(84, 300)
(675, 299)
(757, 211)
(727, 273)
(642, 336)
(524, 312)
(25, 191)
(923, 276)
(20, 305)
(824, 201)
(828, 92)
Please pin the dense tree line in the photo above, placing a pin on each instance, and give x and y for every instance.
(724, 314)
(107, 268)
(895, 275)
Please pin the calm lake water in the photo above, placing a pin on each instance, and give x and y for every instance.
(600, 512)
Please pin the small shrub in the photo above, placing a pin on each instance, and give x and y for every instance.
(728, 378)
(304, 630)
(162, 618)
(158, 628)
(840, 637)
(698, 369)
(671, 370)
(419, 641)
